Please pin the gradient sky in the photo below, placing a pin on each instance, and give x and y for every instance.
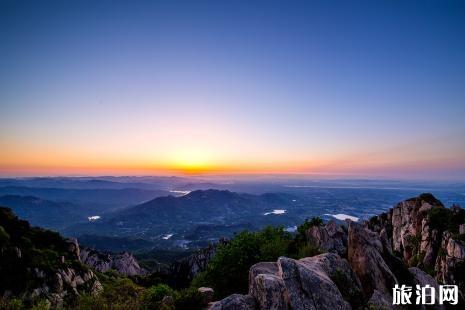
(333, 87)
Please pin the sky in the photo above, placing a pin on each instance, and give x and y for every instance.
(356, 88)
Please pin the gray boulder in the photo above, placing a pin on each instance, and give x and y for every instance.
(235, 302)
(365, 257)
(422, 279)
(308, 283)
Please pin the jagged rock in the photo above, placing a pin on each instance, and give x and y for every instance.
(340, 272)
(206, 293)
(331, 238)
(267, 286)
(270, 292)
(235, 302)
(365, 257)
(185, 269)
(462, 229)
(308, 283)
(124, 263)
(429, 244)
(452, 252)
(54, 274)
(309, 286)
(410, 227)
(379, 301)
(261, 268)
(385, 241)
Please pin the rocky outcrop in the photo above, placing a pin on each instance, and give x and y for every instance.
(185, 269)
(235, 302)
(330, 238)
(207, 294)
(365, 257)
(324, 281)
(266, 285)
(123, 263)
(67, 283)
(452, 254)
(35, 262)
(413, 233)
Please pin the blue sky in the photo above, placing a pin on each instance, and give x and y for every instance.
(359, 87)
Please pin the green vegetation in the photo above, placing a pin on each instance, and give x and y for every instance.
(414, 241)
(444, 219)
(23, 247)
(124, 294)
(228, 271)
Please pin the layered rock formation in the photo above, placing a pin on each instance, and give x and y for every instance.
(427, 235)
(39, 263)
(419, 241)
(123, 263)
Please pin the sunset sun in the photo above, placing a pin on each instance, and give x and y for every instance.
(192, 161)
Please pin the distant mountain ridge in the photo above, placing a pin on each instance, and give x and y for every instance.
(101, 199)
(176, 217)
(41, 212)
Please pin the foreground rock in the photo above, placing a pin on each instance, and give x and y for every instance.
(308, 283)
(419, 233)
(365, 257)
(235, 302)
(207, 294)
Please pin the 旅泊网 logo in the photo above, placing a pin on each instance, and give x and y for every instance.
(424, 295)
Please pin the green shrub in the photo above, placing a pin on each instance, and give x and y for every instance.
(156, 293)
(188, 299)
(12, 304)
(228, 270)
(308, 250)
(444, 219)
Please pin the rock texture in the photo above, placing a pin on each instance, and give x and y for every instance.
(380, 301)
(365, 257)
(308, 283)
(123, 263)
(207, 294)
(452, 255)
(330, 238)
(235, 302)
(66, 283)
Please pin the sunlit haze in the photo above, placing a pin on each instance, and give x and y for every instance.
(363, 88)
